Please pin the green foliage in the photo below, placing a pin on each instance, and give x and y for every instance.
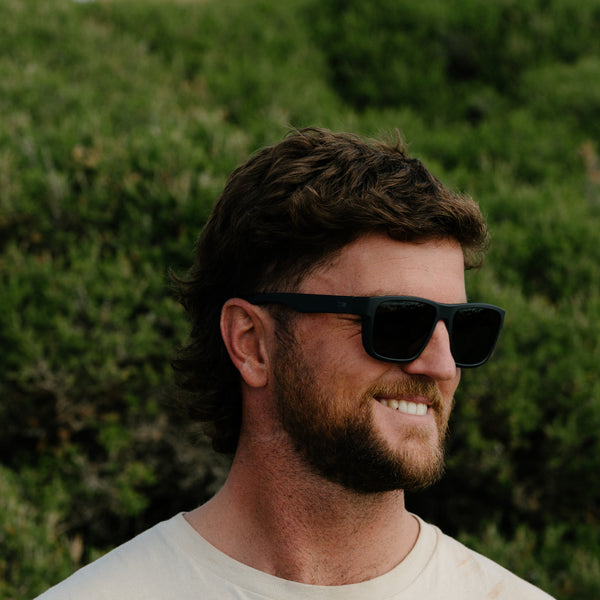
(120, 123)
(564, 562)
(448, 62)
(34, 549)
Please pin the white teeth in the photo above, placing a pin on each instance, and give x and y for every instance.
(410, 408)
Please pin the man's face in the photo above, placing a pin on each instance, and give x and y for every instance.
(350, 416)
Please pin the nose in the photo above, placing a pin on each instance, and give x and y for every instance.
(436, 360)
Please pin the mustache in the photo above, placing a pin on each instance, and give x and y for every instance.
(413, 386)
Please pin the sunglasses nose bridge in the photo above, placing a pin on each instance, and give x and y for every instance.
(445, 314)
(446, 319)
(435, 358)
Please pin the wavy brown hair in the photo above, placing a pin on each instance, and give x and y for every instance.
(282, 214)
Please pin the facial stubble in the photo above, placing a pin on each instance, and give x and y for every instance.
(337, 437)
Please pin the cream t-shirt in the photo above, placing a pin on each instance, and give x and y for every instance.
(172, 561)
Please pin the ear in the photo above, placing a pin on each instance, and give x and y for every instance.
(244, 333)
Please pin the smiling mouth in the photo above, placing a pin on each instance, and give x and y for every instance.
(409, 408)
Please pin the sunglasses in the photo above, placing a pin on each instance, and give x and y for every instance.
(398, 328)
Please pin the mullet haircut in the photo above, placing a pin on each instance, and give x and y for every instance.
(284, 213)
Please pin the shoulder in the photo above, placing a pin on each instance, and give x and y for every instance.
(474, 575)
(133, 570)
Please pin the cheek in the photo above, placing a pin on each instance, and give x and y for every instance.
(334, 347)
(338, 367)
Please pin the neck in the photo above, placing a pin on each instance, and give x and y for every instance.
(284, 520)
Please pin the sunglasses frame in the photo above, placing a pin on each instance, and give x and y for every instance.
(366, 308)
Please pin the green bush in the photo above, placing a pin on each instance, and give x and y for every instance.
(34, 547)
(121, 121)
(538, 557)
(448, 62)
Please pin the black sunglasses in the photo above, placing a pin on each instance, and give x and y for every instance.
(398, 328)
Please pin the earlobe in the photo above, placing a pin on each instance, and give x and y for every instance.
(243, 332)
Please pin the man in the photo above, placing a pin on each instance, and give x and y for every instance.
(329, 329)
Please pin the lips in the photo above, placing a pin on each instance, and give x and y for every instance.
(415, 396)
(418, 409)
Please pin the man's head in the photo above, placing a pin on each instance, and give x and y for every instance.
(284, 214)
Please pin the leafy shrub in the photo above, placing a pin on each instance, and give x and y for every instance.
(33, 549)
(564, 562)
(447, 62)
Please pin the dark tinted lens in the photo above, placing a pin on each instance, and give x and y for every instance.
(474, 333)
(402, 328)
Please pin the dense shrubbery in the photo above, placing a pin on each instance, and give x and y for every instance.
(120, 122)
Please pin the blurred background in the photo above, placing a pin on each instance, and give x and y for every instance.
(119, 123)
